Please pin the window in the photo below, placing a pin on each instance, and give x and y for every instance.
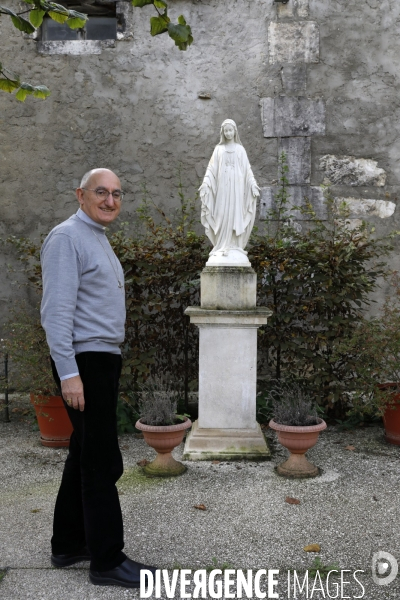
(101, 25)
(109, 21)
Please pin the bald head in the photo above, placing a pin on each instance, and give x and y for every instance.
(88, 176)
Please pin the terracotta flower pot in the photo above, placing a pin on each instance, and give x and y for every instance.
(53, 420)
(391, 416)
(164, 438)
(298, 439)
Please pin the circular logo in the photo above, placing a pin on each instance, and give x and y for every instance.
(384, 568)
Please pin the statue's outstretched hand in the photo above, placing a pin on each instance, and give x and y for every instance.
(255, 190)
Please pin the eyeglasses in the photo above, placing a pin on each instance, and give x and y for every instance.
(103, 194)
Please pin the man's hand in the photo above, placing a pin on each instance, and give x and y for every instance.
(72, 391)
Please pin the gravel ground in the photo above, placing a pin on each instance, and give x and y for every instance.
(352, 510)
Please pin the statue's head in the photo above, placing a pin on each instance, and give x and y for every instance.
(227, 127)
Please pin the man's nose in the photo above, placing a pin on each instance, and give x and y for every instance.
(110, 200)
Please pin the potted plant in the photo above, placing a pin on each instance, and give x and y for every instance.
(163, 429)
(31, 371)
(374, 348)
(297, 425)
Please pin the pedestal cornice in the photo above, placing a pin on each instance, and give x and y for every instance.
(233, 318)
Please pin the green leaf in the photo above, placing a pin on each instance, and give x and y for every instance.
(8, 85)
(54, 6)
(36, 17)
(181, 34)
(159, 25)
(74, 14)
(22, 24)
(21, 95)
(18, 22)
(56, 16)
(28, 87)
(140, 3)
(41, 91)
(160, 4)
(76, 23)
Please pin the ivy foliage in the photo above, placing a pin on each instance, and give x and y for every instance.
(317, 280)
(11, 82)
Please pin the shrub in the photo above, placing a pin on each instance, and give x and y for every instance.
(25, 342)
(373, 353)
(317, 281)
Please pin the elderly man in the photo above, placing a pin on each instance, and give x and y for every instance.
(83, 314)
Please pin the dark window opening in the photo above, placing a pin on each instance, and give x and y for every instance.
(101, 24)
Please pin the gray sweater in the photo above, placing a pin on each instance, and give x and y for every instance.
(83, 309)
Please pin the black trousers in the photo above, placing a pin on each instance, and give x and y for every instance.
(87, 509)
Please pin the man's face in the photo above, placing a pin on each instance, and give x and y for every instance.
(101, 211)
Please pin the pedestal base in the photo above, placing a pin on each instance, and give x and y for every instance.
(226, 444)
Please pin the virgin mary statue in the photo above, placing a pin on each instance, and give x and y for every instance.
(228, 200)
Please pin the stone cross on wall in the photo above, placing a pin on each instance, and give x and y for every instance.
(295, 119)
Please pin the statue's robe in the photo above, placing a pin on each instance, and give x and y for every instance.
(228, 207)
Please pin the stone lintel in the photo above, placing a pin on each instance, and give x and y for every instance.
(74, 47)
(225, 444)
(228, 318)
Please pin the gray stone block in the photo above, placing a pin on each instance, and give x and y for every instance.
(228, 288)
(293, 42)
(285, 11)
(292, 116)
(267, 116)
(348, 170)
(267, 202)
(293, 8)
(302, 8)
(294, 78)
(298, 156)
(299, 195)
(366, 207)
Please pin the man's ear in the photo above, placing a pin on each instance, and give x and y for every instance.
(79, 195)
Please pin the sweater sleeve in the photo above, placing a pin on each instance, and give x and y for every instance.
(61, 272)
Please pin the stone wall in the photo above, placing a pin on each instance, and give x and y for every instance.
(316, 78)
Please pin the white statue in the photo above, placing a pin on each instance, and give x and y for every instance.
(228, 200)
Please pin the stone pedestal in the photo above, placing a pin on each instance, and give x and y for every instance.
(228, 321)
(228, 288)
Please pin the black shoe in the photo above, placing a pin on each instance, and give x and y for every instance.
(66, 560)
(127, 574)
